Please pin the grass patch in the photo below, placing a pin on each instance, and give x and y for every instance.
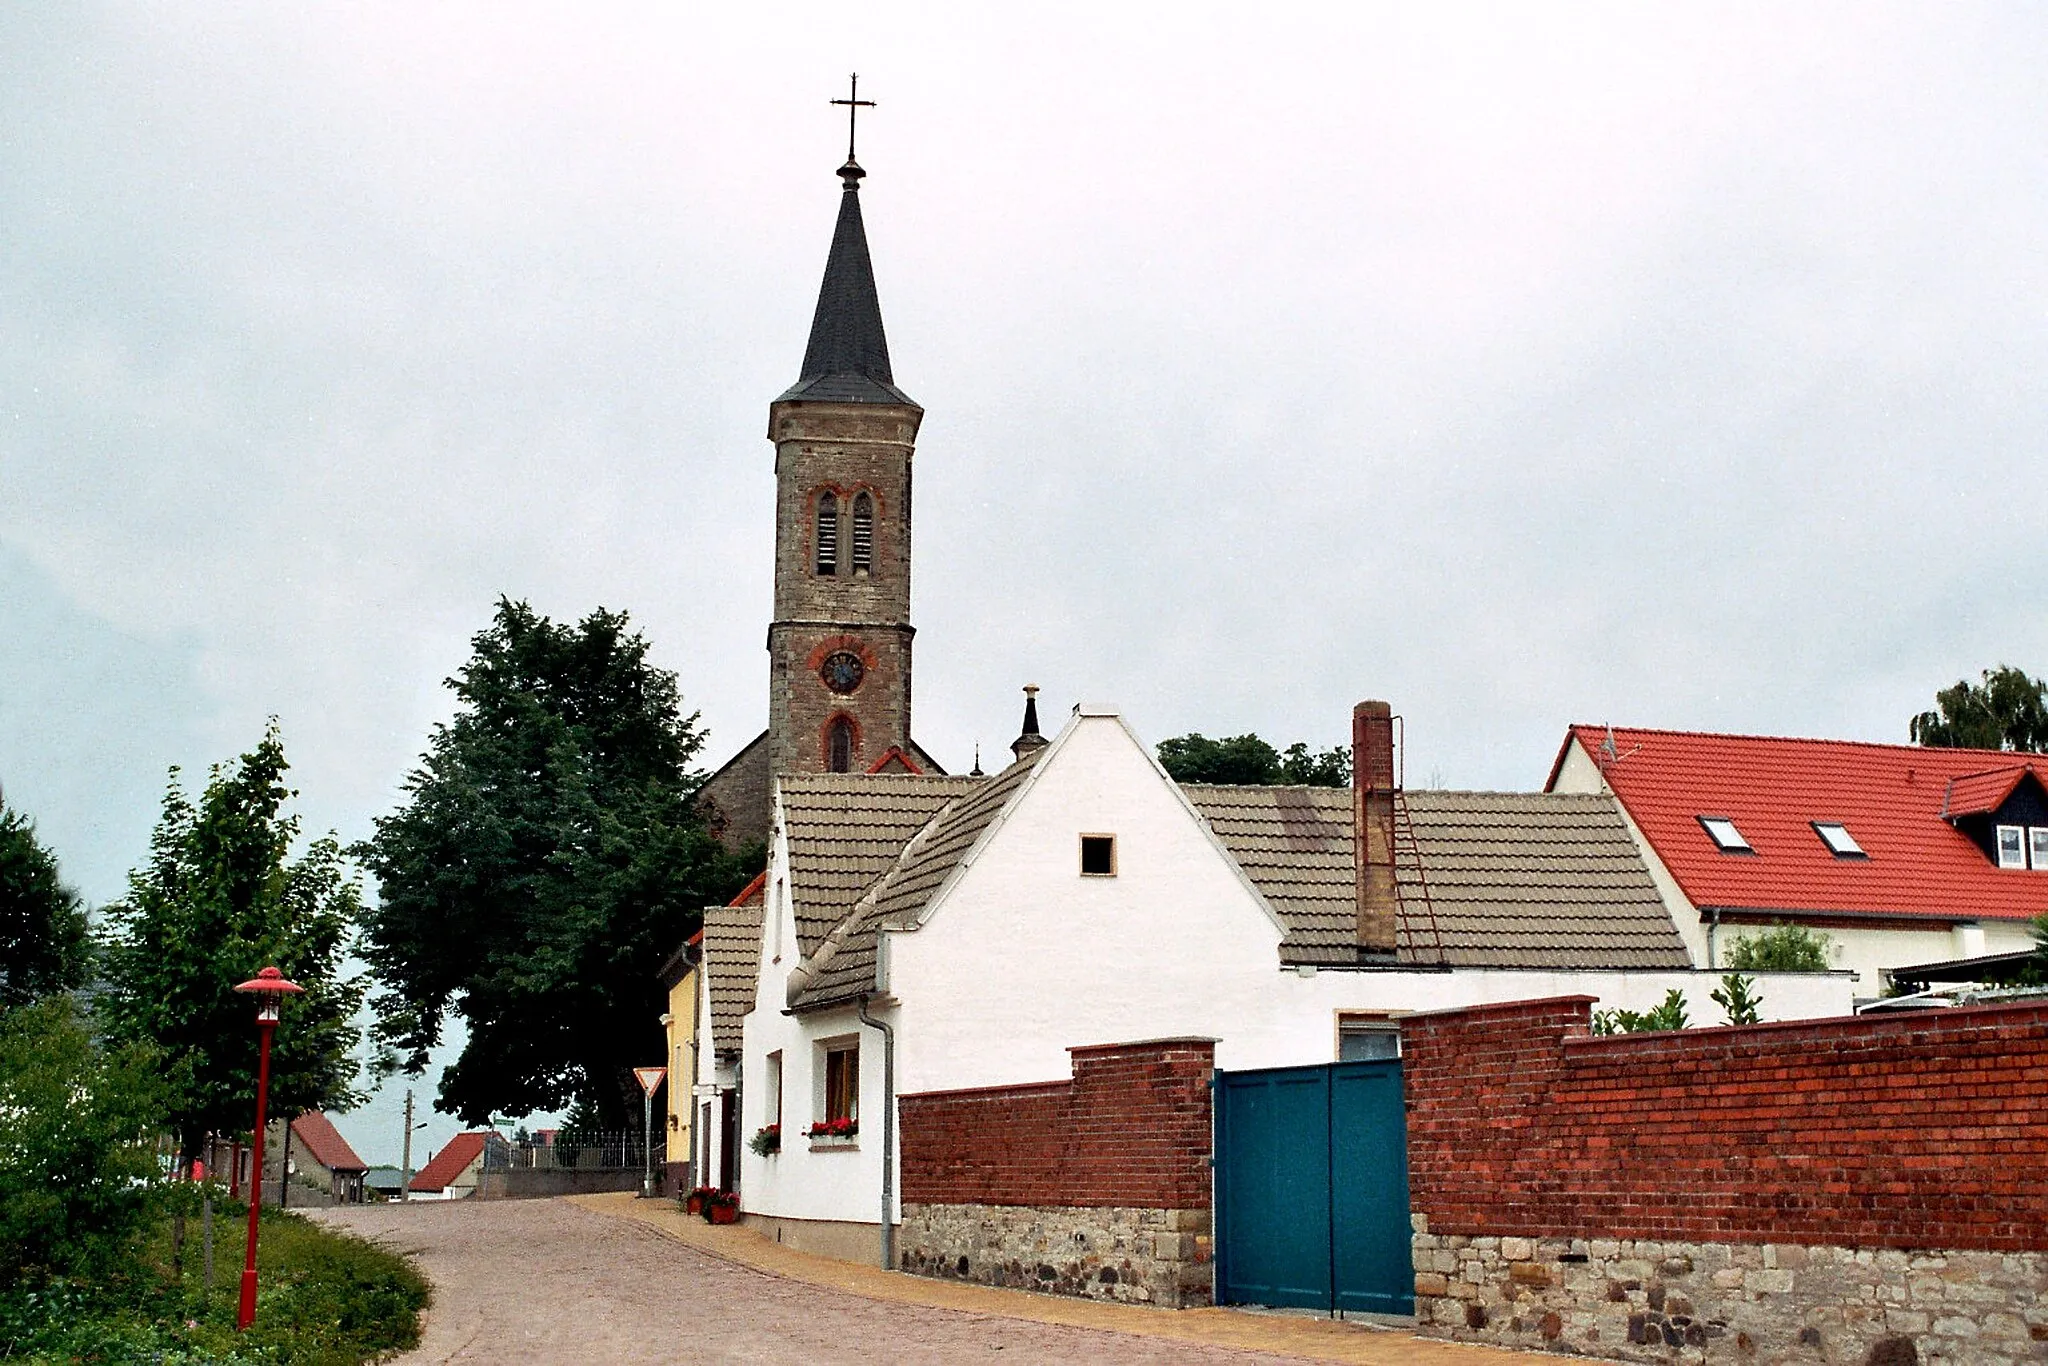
(324, 1298)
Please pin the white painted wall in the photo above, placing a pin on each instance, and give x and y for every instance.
(1862, 951)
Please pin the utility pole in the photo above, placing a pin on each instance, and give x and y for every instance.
(405, 1174)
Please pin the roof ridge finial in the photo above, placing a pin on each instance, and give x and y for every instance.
(1028, 739)
(851, 172)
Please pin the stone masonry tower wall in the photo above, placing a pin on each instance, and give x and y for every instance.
(834, 463)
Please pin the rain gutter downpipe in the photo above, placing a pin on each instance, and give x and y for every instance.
(888, 1134)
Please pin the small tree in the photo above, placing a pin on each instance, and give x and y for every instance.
(77, 1132)
(1738, 999)
(1249, 761)
(43, 943)
(220, 899)
(2009, 710)
(1783, 948)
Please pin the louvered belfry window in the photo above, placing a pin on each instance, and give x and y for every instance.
(863, 534)
(828, 533)
(839, 745)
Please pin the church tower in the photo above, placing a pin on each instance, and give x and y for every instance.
(839, 647)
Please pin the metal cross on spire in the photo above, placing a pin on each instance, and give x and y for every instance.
(854, 104)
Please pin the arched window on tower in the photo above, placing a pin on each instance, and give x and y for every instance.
(863, 535)
(828, 533)
(839, 745)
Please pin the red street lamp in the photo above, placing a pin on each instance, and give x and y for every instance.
(270, 987)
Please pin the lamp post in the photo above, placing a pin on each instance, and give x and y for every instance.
(270, 987)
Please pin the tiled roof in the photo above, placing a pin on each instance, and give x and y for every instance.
(845, 830)
(324, 1143)
(1890, 797)
(732, 958)
(1979, 794)
(845, 963)
(451, 1161)
(1516, 880)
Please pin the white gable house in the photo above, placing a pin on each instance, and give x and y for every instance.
(932, 934)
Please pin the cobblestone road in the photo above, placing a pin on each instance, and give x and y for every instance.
(546, 1281)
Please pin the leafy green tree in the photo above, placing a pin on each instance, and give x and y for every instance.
(43, 944)
(546, 860)
(78, 1128)
(1738, 999)
(2008, 710)
(219, 899)
(1249, 760)
(1668, 1013)
(1783, 948)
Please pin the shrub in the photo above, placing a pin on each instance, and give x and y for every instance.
(1668, 1014)
(78, 1171)
(1737, 997)
(1783, 948)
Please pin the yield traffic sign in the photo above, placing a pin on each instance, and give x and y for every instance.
(650, 1078)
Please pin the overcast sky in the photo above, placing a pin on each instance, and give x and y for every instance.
(1521, 365)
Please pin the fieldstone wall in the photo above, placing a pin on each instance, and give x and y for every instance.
(1762, 1303)
(1133, 1256)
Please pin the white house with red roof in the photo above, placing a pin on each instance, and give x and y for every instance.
(452, 1173)
(1901, 854)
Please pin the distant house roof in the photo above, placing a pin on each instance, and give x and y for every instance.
(732, 954)
(844, 965)
(845, 830)
(324, 1143)
(384, 1179)
(452, 1161)
(1515, 879)
(1891, 799)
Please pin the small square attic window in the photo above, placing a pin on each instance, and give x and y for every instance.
(1098, 856)
(1725, 836)
(1839, 841)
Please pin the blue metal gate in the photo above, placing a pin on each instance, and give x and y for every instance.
(1312, 1188)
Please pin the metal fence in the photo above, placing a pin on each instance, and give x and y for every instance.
(572, 1150)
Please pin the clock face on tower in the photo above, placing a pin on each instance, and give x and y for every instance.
(842, 671)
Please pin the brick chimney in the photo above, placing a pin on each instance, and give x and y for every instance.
(1372, 826)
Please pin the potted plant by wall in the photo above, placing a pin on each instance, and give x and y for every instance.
(767, 1142)
(693, 1203)
(833, 1130)
(722, 1207)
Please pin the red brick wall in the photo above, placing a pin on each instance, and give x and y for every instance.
(1131, 1129)
(1927, 1129)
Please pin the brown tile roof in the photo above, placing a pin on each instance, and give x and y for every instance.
(1516, 880)
(451, 1161)
(732, 958)
(324, 1143)
(845, 830)
(844, 965)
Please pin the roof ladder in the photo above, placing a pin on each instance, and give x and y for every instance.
(1416, 913)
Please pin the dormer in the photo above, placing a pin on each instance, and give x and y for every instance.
(2004, 812)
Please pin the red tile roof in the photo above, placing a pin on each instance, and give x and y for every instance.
(1980, 793)
(325, 1144)
(1890, 797)
(451, 1161)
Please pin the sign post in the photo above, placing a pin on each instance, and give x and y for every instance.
(650, 1082)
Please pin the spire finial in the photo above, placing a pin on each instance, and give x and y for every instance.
(851, 171)
(1029, 739)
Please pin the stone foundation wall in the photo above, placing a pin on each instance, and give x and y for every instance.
(1141, 1256)
(1662, 1301)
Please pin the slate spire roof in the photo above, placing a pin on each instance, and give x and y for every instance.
(848, 358)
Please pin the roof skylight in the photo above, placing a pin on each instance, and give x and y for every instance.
(1725, 836)
(1839, 841)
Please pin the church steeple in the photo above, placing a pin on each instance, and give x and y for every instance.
(847, 360)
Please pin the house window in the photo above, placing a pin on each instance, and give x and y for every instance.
(775, 1088)
(1098, 856)
(2012, 847)
(828, 533)
(839, 745)
(1839, 841)
(1725, 836)
(863, 535)
(842, 1081)
(1369, 1040)
(2037, 846)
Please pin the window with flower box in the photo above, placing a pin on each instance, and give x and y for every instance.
(837, 1100)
